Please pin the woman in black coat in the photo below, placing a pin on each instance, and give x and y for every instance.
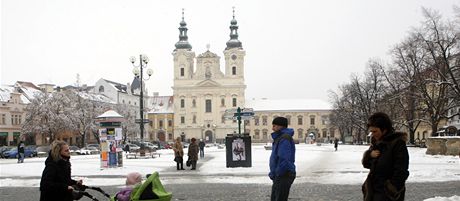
(56, 184)
(388, 161)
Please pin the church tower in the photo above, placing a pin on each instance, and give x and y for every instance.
(202, 92)
(234, 53)
(183, 54)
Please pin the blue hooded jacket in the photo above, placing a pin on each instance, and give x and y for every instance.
(283, 155)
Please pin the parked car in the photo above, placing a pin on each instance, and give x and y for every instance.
(73, 150)
(93, 145)
(81, 151)
(32, 147)
(90, 150)
(13, 153)
(4, 149)
(150, 146)
(42, 151)
(133, 147)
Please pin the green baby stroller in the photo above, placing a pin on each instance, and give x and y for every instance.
(149, 190)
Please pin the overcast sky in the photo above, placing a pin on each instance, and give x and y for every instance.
(294, 49)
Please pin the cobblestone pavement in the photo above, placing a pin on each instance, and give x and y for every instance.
(255, 192)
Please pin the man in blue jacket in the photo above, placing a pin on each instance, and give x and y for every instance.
(282, 158)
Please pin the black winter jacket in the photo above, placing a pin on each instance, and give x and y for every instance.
(388, 173)
(55, 181)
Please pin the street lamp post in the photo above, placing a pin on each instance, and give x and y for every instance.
(138, 72)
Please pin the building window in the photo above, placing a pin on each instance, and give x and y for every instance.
(312, 120)
(222, 102)
(256, 134)
(101, 89)
(256, 121)
(299, 120)
(169, 123)
(223, 119)
(247, 122)
(182, 103)
(264, 120)
(3, 122)
(194, 119)
(182, 72)
(170, 136)
(160, 124)
(234, 102)
(331, 131)
(300, 132)
(193, 103)
(289, 119)
(208, 105)
(20, 119)
(182, 120)
(324, 133)
(264, 134)
(234, 70)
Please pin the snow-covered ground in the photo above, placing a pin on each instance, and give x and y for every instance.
(317, 164)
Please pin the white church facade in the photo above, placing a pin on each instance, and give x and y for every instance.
(202, 92)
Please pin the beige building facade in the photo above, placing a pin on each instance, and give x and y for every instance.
(202, 92)
(308, 117)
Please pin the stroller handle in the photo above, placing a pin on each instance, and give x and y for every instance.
(84, 193)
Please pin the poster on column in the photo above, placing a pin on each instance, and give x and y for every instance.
(238, 150)
(118, 134)
(102, 134)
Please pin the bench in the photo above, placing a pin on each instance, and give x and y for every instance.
(138, 154)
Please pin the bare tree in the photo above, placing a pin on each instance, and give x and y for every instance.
(49, 115)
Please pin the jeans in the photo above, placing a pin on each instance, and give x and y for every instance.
(281, 186)
(20, 157)
(201, 153)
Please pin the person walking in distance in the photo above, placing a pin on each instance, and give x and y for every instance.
(201, 145)
(336, 143)
(387, 160)
(21, 152)
(179, 154)
(193, 153)
(282, 158)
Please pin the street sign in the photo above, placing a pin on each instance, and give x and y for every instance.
(244, 114)
(247, 110)
(242, 118)
(235, 110)
(146, 121)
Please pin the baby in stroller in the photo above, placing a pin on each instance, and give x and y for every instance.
(132, 179)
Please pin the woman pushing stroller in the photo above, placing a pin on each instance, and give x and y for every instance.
(56, 183)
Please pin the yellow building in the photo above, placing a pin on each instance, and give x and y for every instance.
(161, 119)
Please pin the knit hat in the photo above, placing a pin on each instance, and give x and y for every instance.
(133, 178)
(280, 121)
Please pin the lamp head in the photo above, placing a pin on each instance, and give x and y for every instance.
(136, 71)
(149, 72)
(132, 59)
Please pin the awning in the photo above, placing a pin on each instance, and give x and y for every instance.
(3, 134)
(16, 134)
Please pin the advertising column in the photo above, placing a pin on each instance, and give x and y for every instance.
(110, 137)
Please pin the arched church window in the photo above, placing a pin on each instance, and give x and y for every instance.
(234, 70)
(101, 89)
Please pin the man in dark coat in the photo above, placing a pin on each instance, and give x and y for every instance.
(21, 152)
(56, 184)
(387, 159)
(201, 145)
